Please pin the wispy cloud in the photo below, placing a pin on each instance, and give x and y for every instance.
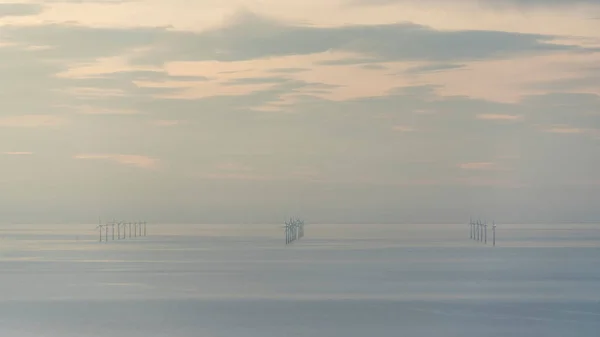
(499, 117)
(17, 153)
(564, 129)
(128, 160)
(165, 122)
(31, 121)
(91, 110)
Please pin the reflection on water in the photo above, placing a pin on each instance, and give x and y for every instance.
(339, 280)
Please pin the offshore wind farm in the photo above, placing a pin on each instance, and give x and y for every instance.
(345, 280)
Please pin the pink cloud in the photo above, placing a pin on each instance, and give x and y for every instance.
(17, 153)
(499, 117)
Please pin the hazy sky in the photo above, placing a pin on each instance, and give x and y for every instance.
(334, 110)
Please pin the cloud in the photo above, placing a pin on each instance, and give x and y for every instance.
(256, 80)
(17, 153)
(433, 67)
(540, 3)
(31, 121)
(589, 82)
(290, 70)
(564, 129)
(78, 42)
(578, 110)
(19, 9)
(250, 36)
(165, 122)
(128, 160)
(499, 117)
(94, 110)
(91, 1)
(493, 3)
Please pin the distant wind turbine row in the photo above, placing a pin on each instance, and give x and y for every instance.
(124, 229)
(294, 230)
(478, 231)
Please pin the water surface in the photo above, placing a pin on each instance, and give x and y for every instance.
(339, 280)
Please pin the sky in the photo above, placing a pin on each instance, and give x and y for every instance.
(337, 111)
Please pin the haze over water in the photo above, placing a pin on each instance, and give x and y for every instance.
(339, 280)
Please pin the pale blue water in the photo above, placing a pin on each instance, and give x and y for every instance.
(339, 280)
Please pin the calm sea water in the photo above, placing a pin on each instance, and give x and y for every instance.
(339, 280)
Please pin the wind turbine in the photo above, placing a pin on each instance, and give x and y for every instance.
(481, 231)
(288, 231)
(295, 229)
(485, 233)
(290, 225)
(301, 229)
(100, 231)
(494, 233)
(470, 228)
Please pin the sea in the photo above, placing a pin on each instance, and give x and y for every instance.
(338, 280)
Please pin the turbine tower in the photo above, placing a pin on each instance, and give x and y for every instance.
(470, 228)
(485, 233)
(494, 233)
(100, 231)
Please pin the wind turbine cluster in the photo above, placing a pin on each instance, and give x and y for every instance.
(478, 231)
(294, 230)
(124, 230)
